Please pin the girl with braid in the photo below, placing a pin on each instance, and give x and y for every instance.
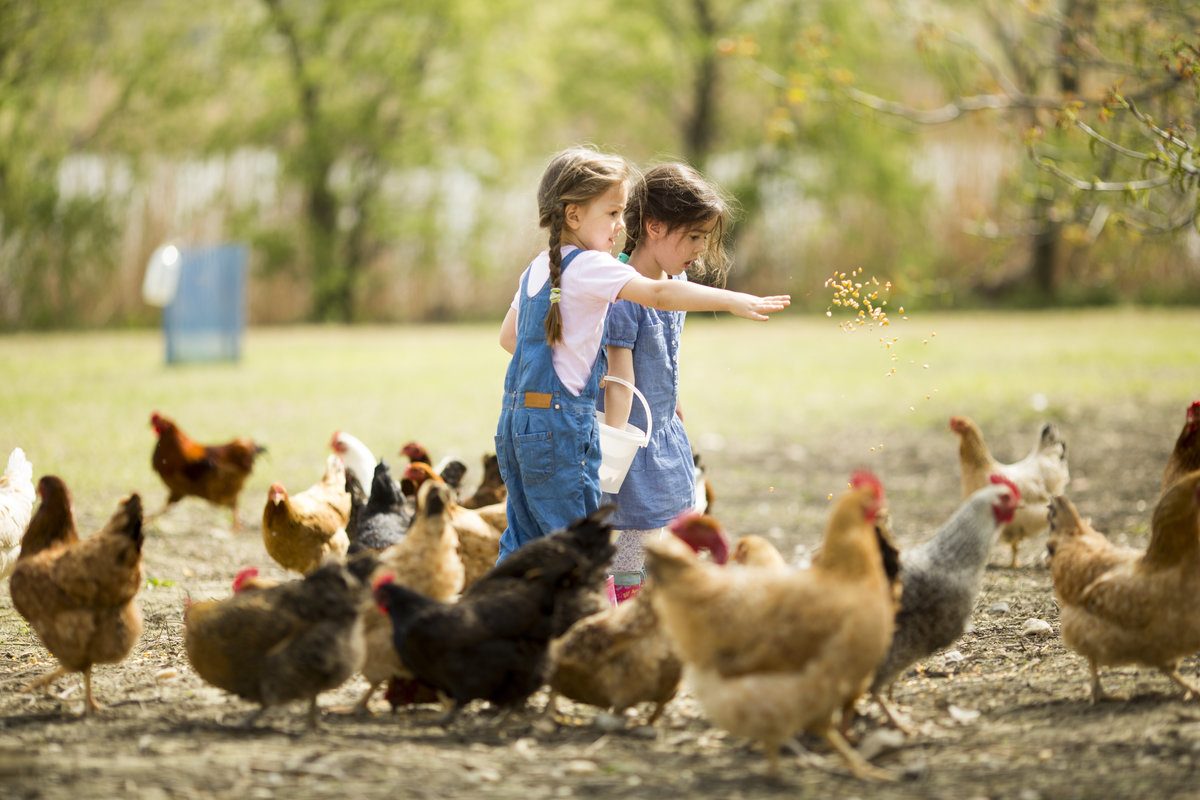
(547, 440)
(674, 223)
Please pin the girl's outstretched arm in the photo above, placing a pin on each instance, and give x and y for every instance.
(508, 332)
(686, 296)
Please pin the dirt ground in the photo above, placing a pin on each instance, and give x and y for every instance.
(1000, 716)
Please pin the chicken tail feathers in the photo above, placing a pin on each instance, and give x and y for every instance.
(131, 525)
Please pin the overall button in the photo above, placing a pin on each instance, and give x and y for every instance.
(557, 406)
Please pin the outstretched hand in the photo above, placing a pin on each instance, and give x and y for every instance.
(750, 306)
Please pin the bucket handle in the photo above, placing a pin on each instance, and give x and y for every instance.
(641, 397)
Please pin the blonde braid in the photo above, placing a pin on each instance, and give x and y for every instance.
(554, 325)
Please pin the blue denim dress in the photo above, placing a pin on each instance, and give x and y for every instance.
(660, 483)
(547, 440)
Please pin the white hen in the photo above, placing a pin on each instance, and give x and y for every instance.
(16, 507)
(1039, 476)
(357, 457)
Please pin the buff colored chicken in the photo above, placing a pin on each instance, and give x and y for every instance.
(1042, 474)
(1120, 606)
(770, 652)
(621, 656)
(79, 595)
(425, 561)
(478, 542)
(300, 531)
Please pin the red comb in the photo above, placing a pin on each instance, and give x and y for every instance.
(865, 478)
(1194, 411)
(385, 578)
(998, 478)
(244, 574)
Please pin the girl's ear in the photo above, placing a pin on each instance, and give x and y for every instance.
(655, 228)
(573, 216)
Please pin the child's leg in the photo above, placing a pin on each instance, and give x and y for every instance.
(628, 566)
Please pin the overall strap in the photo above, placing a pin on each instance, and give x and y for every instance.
(570, 257)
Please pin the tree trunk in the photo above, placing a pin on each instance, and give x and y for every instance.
(700, 124)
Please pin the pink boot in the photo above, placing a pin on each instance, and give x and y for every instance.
(627, 585)
(610, 590)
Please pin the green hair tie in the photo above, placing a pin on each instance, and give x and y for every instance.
(555, 295)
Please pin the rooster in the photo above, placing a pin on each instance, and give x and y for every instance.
(1186, 455)
(79, 595)
(1122, 606)
(1039, 476)
(941, 579)
(300, 531)
(16, 508)
(215, 473)
(771, 652)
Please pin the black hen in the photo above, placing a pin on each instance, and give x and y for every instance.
(491, 645)
(385, 517)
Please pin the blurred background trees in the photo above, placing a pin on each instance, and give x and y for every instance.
(381, 157)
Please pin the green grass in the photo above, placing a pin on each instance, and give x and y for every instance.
(80, 403)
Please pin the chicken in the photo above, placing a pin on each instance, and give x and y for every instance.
(1186, 455)
(79, 595)
(416, 454)
(358, 458)
(491, 644)
(941, 579)
(755, 551)
(301, 531)
(452, 471)
(621, 656)
(385, 518)
(1039, 476)
(425, 561)
(478, 541)
(215, 473)
(491, 489)
(770, 652)
(16, 508)
(495, 515)
(1119, 606)
(248, 580)
(282, 643)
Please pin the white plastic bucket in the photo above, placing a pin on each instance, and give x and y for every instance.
(619, 446)
(162, 276)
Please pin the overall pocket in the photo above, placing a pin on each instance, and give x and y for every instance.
(535, 456)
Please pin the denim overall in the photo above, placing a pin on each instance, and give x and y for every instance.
(661, 482)
(547, 440)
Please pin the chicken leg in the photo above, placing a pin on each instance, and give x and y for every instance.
(893, 714)
(45, 680)
(1191, 691)
(90, 705)
(1098, 693)
(859, 766)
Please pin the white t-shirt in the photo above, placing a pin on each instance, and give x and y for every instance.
(589, 285)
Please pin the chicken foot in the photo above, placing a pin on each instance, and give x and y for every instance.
(859, 766)
(893, 714)
(314, 714)
(363, 706)
(1014, 563)
(44, 681)
(1191, 691)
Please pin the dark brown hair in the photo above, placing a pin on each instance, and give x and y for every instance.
(679, 196)
(576, 175)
